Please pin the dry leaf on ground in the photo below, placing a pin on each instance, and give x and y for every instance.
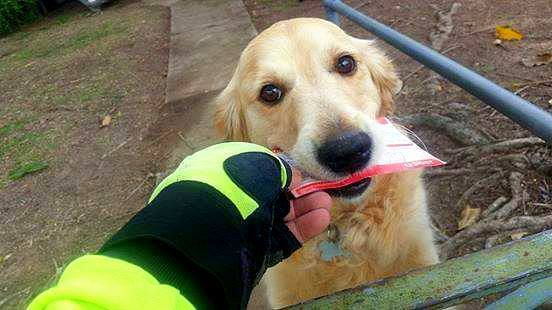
(518, 235)
(537, 60)
(105, 121)
(507, 33)
(468, 217)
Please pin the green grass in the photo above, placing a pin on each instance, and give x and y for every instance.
(26, 168)
(20, 144)
(11, 127)
(57, 76)
(63, 19)
(95, 92)
(22, 149)
(97, 89)
(90, 35)
(92, 92)
(68, 63)
(51, 46)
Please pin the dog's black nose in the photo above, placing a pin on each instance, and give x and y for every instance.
(347, 152)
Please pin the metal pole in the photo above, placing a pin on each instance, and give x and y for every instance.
(332, 15)
(526, 114)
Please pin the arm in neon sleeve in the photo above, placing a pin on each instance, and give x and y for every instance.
(205, 238)
(170, 267)
(94, 282)
(144, 259)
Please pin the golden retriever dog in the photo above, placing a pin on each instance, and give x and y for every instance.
(307, 88)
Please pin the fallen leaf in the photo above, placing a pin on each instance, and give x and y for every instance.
(105, 121)
(507, 33)
(537, 60)
(518, 235)
(468, 217)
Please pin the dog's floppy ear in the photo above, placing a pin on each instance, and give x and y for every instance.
(229, 115)
(384, 76)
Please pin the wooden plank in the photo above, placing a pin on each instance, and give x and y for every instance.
(529, 296)
(455, 281)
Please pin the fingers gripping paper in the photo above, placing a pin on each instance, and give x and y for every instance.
(399, 154)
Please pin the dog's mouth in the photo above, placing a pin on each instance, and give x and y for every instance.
(346, 187)
(352, 190)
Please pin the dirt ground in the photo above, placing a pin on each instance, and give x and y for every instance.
(59, 78)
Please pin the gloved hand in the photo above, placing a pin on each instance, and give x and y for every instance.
(224, 209)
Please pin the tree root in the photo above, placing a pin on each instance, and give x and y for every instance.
(516, 186)
(444, 27)
(440, 236)
(442, 172)
(494, 240)
(502, 146)
(439, 37)
(530, 223)
(535, 83)
(499, 202)
(475, 187)
(459, 132)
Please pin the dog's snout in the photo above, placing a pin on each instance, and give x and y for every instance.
(347, 152)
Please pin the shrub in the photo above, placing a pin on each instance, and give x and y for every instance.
(14, 13)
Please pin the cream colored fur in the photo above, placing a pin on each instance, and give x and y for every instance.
(386, 230)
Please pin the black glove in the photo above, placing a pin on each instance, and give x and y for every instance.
(217, 221)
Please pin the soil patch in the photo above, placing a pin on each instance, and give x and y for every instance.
(66, 183)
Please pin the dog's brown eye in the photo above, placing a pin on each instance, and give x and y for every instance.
(345, 64)
(271, 94)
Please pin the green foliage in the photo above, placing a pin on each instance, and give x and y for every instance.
(79, 40)
(10, 127)
(27, 168)
(14, 13)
